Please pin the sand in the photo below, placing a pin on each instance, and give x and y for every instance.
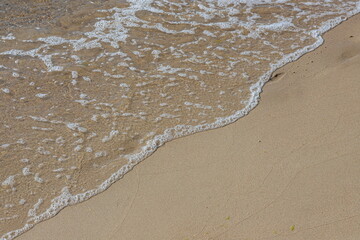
(289, 170)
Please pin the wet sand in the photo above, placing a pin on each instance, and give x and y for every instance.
(288, 170)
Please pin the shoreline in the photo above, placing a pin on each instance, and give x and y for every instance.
(177, 142)
(66, 199)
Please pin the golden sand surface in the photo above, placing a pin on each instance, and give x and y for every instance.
(289, 170)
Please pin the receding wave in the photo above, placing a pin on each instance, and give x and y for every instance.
(90, 89)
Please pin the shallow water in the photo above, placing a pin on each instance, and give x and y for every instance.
(89, 89)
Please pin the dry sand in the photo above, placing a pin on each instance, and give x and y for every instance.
(289, 170)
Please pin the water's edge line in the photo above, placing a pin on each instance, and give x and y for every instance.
(66, 199)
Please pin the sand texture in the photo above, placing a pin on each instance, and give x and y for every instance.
(289, 170)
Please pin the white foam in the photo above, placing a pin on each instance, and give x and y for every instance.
(26, 171)
(5, 145)
(41, 95)
(76, 127)
(9, 181)
(101, 154)
(37, 178)
(111, 135)
(5, 90)
(10, 36)
(32, 211)
(279, 26)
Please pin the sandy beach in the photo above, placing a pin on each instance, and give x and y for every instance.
(289, 170)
